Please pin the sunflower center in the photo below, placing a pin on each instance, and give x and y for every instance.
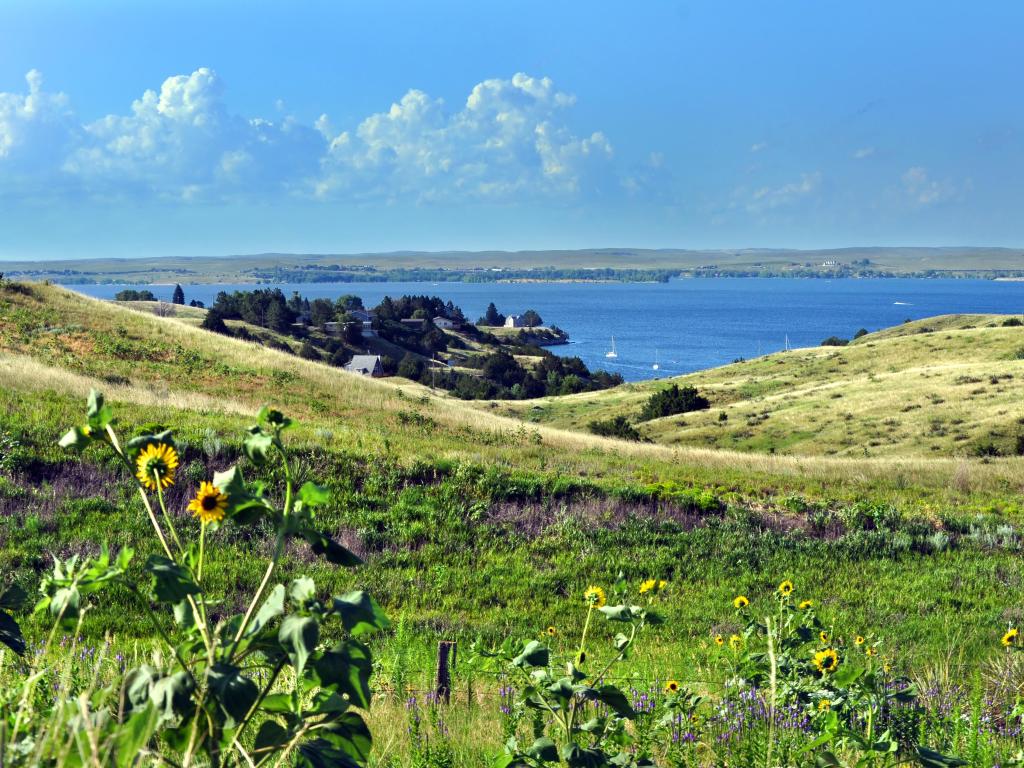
(209, 503)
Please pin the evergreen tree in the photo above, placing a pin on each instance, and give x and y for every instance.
(179, 295)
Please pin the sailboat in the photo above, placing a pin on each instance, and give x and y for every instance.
(656, 366)
(611, 352)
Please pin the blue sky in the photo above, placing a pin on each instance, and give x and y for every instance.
(191, 128)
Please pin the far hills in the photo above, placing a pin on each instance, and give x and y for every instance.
(635, 264)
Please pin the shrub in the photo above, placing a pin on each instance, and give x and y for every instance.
(834, 341)
(617, 427)
(1012, 322)
(673, 400)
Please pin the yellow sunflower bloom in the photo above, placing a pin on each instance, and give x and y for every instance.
(740, 602)
(805, 604)
(858, 640)
(823, 636)
(872, 651)
(662, 584)
(671, 686)
(719, 640)
(551, 631)
(735, 642)
(826, 661)
(648, 585)
(824, 705)
(156, 461)
(209, 504)
(1012, 637)
(786, 588)
(595, 597)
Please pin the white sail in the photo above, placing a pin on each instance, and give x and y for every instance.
(611, 352)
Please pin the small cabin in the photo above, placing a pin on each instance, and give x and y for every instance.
(445, 323)
(365, 365)
(515, 321)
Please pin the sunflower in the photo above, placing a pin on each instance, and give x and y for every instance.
(805, 604)
(824, 705)
(786, 588)
(719, 640)
(740, 602)
(735, 642)
(823, 636)
(156, 461)
(648, 585)
(671, 686)
(551, 631)
(1012, 637)
(209, 503)
(858, 640)
(595, 597)
(826, 661)
(871, 651)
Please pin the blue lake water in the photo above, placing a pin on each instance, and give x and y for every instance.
(683, 325)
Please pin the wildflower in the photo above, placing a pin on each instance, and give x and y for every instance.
(740, 602)
(826, 661)
(662, 584)
(209, 503)
(805, 604)
(1012, 637)
(671, 686)
(735, 642)
(551, 631)
(155, 461)
(823, 636)
(719, 640)
(786, 588)
(873, 651)
(858, 640)
(595, 597)
(824, 705)
(648, 585)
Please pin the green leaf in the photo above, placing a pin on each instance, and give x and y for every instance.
(313, 495)
(535, 654)
(616, 701)
(172, 696)
(272, 607)
(301, 591)
(75, 439)
(350, 734)
(617, 612)
(278, 702)
(133, 734)
(234, 693)
(347, 668)
(827, 760)
(257, 445)
(298, 637)
(172, 583)
(65, 603)
(137, 685)
(360, 614)
(270, 738)
(543, 749)
(846, 675)
(329, 549)
(931, 759)
(98, 414)
(10, 633)
(578, 757)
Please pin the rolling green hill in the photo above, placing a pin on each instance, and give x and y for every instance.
(945, 386)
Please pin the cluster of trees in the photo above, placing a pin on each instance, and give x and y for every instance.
(493, 318)
(130, 294)
(665, 402)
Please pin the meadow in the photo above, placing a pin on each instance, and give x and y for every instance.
(475, 526)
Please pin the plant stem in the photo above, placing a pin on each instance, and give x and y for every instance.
(167, 517)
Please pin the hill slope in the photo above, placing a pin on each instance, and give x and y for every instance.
(943, 386)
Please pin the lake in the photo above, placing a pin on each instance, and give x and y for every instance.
(683, 325)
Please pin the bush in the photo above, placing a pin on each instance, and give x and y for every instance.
(834, 341)
(1012, 322)
(618, 427)
(129, 294)
(673, 400)
(861, 332)
(214, 321)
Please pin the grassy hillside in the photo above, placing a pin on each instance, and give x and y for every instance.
(474, 524)
(946, 386)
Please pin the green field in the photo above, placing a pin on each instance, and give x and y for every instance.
(475, 524)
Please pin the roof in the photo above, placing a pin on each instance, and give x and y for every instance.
(363, 363)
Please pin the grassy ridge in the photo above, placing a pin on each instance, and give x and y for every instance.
(946, 386)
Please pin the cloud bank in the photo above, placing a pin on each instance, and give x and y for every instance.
(509, 141)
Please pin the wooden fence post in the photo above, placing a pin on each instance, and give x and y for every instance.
(446, 651)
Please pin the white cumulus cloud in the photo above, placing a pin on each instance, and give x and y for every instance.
(924, 190)
(767, 198)
(509, 140)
